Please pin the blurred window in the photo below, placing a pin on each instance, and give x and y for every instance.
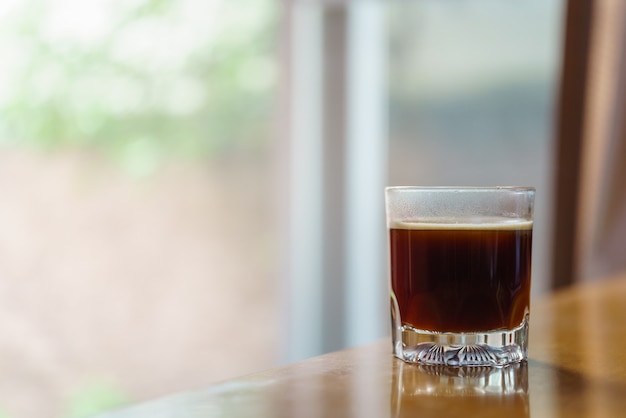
(464, 93)
(144, 250)
(136, 168)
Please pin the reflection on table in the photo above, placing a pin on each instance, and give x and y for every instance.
(440, 390)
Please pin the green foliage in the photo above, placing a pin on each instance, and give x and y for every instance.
(93, 399)
(167, 78)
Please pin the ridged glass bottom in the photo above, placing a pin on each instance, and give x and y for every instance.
(490, 348)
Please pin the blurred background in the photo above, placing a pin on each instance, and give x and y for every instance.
(192, 190)
(137, 220)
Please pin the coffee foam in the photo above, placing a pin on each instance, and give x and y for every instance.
(480, 223)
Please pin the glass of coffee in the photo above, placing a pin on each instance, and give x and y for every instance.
(460, 270)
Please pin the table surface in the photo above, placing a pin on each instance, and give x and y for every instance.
(576, 368)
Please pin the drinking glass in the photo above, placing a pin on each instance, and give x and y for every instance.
(460, 273)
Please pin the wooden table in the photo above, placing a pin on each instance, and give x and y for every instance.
(577, 368)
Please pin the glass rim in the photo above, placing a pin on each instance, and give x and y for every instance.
(462, 188)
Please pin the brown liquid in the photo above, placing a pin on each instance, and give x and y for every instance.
(461, 280)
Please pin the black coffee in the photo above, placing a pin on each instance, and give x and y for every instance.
(463, 278)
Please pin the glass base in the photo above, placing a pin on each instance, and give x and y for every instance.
(490, 348)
